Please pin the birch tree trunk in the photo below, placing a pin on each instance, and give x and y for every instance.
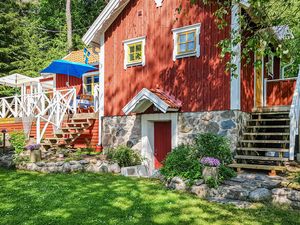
(69, 24)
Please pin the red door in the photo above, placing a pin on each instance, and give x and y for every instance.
(162, 142)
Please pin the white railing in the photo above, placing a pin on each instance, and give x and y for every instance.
(294, 117)
(58, 105)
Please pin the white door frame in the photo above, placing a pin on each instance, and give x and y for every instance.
(148, 135)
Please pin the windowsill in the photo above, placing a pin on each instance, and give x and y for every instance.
(134, 64)
(186, 55)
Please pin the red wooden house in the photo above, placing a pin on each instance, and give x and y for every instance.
(162, 81)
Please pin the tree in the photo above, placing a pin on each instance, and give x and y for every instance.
(69, 24)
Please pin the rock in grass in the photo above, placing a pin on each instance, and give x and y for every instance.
(177, 183)
(260, 194)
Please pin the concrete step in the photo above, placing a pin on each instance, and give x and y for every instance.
(267, 134)
(266, 141)
(258, 167)
(263, 158)
(263, 149)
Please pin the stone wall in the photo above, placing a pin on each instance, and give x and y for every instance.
(126, 130)
(122, 130)
(225, 123)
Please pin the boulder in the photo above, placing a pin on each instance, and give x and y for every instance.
(115, 168)
(260, 194)
(201, 191)
(177, 183)
(66, 167)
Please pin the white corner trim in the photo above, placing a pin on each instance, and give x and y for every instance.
(235, 84)
(145, 95)
(132, 41)
(101, 85)
(176, 31)
(158, 3)
(105, 15)
(148, 135)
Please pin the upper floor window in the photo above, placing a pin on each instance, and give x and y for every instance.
(134, 50)
(186, 41)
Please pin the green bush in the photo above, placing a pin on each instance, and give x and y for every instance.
(298, 178)
(18, 141)
(225, 173)
(213, 145)
(183, 163)
(124, 156)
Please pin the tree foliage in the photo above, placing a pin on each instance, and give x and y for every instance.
(33, 33)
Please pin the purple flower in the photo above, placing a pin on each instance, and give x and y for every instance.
(33, 147)
(210, 161)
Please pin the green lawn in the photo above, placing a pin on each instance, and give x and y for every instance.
(32, 198)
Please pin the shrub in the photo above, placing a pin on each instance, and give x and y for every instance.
(213, 145)
(298, 178)
(225, 173)
(212, 182)
(183, 163)
(17, 140)
(125, 156)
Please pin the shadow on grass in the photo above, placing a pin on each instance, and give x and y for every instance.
(83, 198)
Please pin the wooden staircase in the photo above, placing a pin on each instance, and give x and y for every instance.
(70, 131)
(264, 144)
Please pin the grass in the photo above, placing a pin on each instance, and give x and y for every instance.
(83, 198)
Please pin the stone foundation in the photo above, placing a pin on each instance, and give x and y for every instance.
(126, 130)
(225, 123)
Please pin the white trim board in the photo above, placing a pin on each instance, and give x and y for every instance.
(235, 84)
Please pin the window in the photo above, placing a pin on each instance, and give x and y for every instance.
(186, 41)
(89, 83)
(134, 50)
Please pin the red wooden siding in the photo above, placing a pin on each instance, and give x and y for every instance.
(200, 83)
(247, 84)
(280, 92)
(62, 79)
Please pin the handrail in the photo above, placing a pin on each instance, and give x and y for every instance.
(294, 117)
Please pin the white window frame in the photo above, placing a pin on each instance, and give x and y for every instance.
(177, 31)
(90, 74)
(126, 43)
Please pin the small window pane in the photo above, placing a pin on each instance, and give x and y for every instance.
(182, 38)
(89, 89)
(139, 48)
(182, 47)
(131, 57)
(191, 36)
(191, 46)
(89, 80)
(96, 79)
(131, 48)
(138, 56)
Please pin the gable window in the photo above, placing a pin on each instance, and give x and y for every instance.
(89, 82)
(186, 41)
(134, 50)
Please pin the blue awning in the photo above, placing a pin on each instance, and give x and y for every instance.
(68, 68)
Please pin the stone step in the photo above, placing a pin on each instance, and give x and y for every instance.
(258, 167)
(263, 149)
(267, 134)
(266, 141)
(263, 158)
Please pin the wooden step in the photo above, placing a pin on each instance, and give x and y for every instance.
(267, 134)
(269, 120)
(77, 124)
(72, 128)
(269, 126)
(271, 113)
(263, 149)
(258, 167)
(263, 158)
(266, 141)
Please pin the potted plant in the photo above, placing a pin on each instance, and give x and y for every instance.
(210, 170)
(35, 152)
